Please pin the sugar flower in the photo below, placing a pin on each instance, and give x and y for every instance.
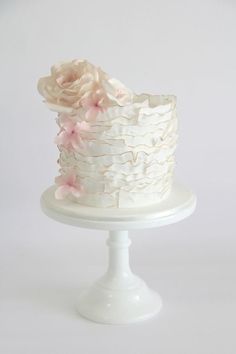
(68, 185)
(94, 104)
(68, 83)
(79, 84)
(70, 135)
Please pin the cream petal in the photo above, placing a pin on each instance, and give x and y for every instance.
(59, 108)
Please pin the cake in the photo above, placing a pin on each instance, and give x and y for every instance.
(116, 147)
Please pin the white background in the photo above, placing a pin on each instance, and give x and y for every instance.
(182, 47)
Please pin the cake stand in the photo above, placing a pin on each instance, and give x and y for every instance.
(120, 297)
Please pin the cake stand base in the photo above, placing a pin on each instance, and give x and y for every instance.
(120, 297)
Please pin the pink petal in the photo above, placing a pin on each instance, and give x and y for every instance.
(75, 192)
(75, 142)
(77, 129)
(59, 139)
(69, 125)
(92, 113)
(63, 139)
(71, 177)
(60, 180)
(84, 125)
(62, 192)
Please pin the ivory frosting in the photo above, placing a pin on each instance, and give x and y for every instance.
(126, 156)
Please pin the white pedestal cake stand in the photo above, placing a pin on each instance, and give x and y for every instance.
(120, 297)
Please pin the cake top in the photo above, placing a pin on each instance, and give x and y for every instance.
(79, 84)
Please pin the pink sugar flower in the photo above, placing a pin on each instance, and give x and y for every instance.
(70, 134)
(94, 104)
(68, 184)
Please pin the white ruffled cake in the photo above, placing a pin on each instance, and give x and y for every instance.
(116, 147)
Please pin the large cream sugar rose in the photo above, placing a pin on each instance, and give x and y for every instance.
(69, 83)
(77, 84)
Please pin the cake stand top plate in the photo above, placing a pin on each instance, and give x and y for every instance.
(179, 205)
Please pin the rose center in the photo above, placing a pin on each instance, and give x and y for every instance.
(69, 184)
(70, 78)
(67, 78)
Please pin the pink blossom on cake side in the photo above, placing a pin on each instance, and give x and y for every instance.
(94, 104)
(68, 185)
(70, 135)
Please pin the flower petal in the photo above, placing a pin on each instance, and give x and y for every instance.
(91, 113)
(59, 108)
(63, 139)
(84, 125)
(75, 142)
(75, 192)
(62, 192)
(60, 180)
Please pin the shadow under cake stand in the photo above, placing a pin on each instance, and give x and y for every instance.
(120, 297)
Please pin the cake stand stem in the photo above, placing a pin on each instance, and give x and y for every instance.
(119, 275)
(118, 266)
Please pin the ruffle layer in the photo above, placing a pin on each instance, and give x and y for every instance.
(128, 156)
